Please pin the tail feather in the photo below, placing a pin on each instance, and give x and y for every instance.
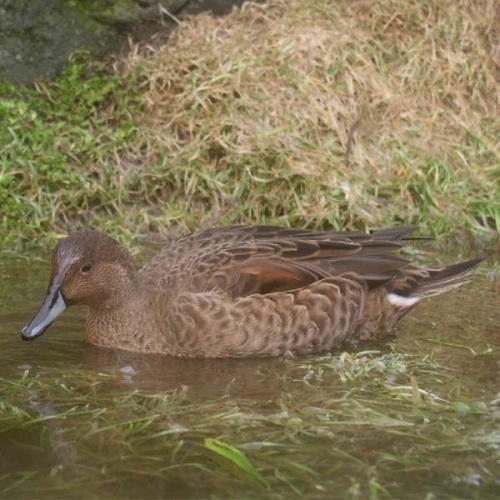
(442, 280)
(407, 289)
(414, 284)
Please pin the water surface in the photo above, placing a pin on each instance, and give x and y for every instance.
(415, 416)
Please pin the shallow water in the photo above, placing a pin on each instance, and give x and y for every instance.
(416, 419)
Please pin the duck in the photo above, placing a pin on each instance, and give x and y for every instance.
(241, 291)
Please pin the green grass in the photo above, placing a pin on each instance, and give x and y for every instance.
(55, 144)
(332, 115)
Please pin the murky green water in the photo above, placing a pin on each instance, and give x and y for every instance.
(419, 418)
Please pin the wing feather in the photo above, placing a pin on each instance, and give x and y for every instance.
(242, 260)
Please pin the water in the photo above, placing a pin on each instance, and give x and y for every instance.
(422, 418)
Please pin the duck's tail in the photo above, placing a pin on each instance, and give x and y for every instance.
(387, 304)
(414, 284)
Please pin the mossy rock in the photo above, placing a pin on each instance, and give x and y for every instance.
(37, 37)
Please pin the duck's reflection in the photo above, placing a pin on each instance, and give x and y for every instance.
(257, 378)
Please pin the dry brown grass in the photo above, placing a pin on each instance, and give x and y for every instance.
(257, 110)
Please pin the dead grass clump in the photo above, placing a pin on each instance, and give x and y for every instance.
(254, 113)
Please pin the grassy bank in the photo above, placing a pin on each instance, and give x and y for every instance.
(317, 113)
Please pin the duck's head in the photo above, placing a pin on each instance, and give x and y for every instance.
(88, 268)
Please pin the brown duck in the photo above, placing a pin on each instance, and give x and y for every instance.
(241, 290)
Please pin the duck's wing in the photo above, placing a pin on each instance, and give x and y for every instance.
(243, 260)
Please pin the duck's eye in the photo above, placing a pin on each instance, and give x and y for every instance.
(85, 268)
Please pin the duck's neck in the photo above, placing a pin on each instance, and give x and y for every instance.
(122, 322)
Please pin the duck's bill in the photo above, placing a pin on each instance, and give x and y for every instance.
(52, 307)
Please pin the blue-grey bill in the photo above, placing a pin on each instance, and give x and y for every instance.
(52, 307)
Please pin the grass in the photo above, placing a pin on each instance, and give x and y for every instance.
(332, 115)
(348, 427)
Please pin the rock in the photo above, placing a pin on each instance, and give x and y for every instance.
(37, 37)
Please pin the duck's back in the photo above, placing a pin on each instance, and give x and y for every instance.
(245, 260)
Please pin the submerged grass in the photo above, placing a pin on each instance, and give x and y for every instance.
(325, 114)
(354, 426)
